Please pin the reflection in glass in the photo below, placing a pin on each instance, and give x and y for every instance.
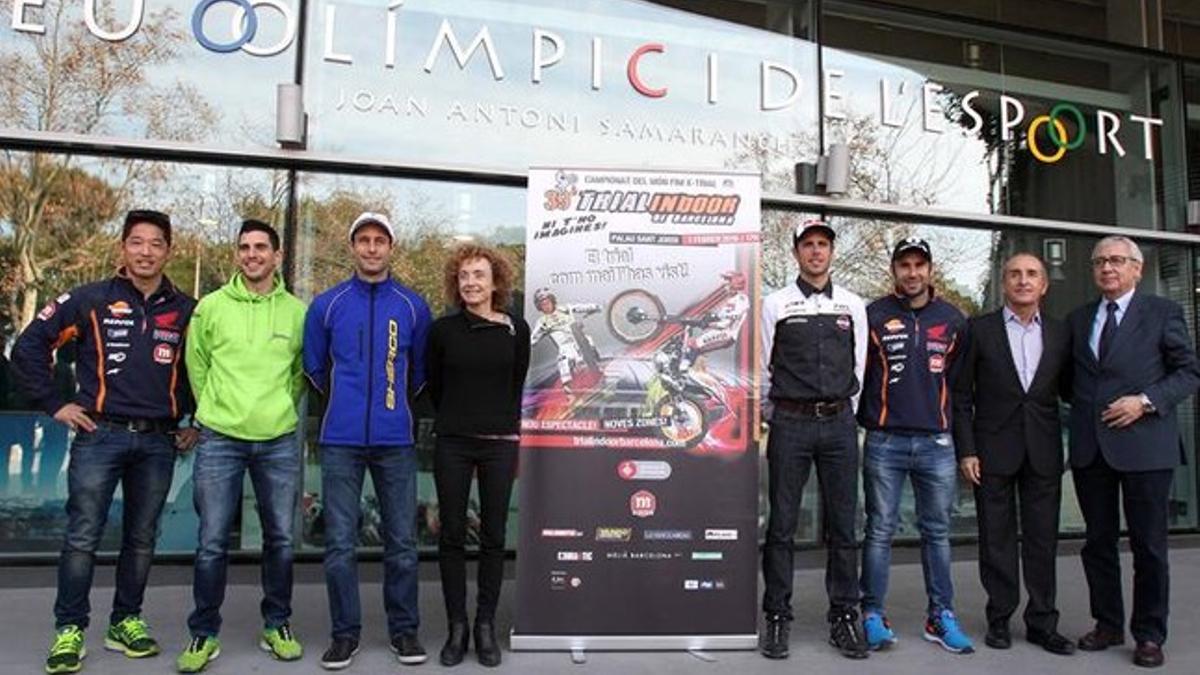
(982, 120)
(159, 83)
(530, 82)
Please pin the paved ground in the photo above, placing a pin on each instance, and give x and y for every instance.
(26, 596)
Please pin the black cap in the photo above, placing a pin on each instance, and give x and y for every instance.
(812, 225)
(910, 245)
(157, 218)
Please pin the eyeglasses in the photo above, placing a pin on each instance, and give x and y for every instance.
(1114, 260)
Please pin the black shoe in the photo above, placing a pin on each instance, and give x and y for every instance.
(845, 633)
(1148, 655)
(775, 640)
(1100, 638)
(998, 637)
(408, 649)
(1051, 641)
(340, 654)
(486, 647)
(456, 644)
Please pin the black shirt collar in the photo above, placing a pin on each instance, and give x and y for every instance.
(808, 289)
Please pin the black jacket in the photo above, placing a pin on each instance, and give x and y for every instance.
(476, 374)
(994, 417)
(1151, 353)
(128, 356)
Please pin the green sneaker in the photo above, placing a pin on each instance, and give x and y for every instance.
(199, 652)
(130, 637)
(67, 651)
(282, 644)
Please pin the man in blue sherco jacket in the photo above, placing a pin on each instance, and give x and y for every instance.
(364, 343)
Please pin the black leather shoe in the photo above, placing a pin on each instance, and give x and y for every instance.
(775, 640)
(1052, 641)
(456, 644)
(486, 647)
(1148, 655)
(1100, 639)
(998, 637)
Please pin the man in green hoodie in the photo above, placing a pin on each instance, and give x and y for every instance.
(244, 363)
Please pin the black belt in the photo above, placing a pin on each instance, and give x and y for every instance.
(133, 424)
(812, 408)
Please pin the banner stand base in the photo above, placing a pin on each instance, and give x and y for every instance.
(520, 642)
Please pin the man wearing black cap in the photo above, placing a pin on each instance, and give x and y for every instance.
(814, 351)
(132, 392)
(915, 342)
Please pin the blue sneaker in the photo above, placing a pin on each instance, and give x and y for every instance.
(943, 629)
(879, 631)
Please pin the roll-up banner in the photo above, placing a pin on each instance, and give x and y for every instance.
(639, 463)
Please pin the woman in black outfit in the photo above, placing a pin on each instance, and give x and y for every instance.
(476, 372)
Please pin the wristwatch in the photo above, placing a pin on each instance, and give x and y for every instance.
(1147, 404)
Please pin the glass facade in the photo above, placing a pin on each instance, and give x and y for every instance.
(986, 127)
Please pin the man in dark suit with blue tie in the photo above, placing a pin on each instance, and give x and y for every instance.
(1133, 363)
(1008, 434)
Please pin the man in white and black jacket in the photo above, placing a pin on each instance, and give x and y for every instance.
(814, 351)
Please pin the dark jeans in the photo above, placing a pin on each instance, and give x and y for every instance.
(796, 443)
(218, 474)
(1001, 560)
(456, 460)
(928, 461)
(1145, 495)
(142, 464)
(394, 475)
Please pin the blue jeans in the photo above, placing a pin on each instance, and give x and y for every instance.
(394, 474)
(142, 464)
(928, 460)
(217, 475)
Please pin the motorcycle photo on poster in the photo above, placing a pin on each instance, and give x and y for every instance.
(639, 448)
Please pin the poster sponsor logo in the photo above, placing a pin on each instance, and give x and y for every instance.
(561, 581)
(642, 555)
(561, 533)
(643, 470)
(703, 584)
(667, 535)
(643, 504)
(707, 555)
(713, 534)
(614, 533)
(574, 556)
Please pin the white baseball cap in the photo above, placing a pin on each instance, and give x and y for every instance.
(371, 218)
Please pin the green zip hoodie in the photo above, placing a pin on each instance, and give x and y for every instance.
(244, 360)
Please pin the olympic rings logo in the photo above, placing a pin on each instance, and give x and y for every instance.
(244, 26)
(1057, 131)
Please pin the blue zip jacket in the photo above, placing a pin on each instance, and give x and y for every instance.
(364, 349)
(912, 359)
